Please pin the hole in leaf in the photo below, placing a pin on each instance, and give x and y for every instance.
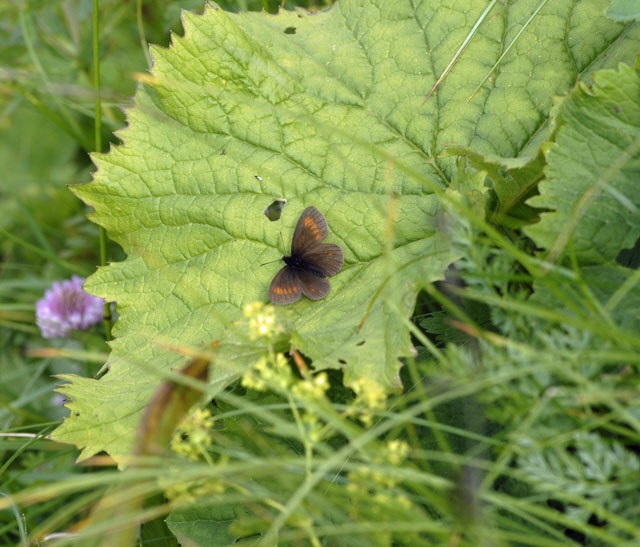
(342, 361)
(290, 30)
(630, 257)
(274, 211)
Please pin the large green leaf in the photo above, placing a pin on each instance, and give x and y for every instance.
(593, 170)
(330, 110)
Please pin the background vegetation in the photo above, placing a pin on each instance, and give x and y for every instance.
(514, 418)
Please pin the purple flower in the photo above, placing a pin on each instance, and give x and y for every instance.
(66, 306)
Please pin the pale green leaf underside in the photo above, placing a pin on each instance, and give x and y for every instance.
(331, 114)
(624, 10)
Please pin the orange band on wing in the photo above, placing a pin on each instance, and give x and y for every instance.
(291, 289)
(311, 225)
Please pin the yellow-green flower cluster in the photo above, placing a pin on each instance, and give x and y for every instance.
(377, 482)
(314, 387)
(274, 373)
(371, 399)
(397, 451)
(188, 491)
(270, 372)
(193, 436)
(262, 320)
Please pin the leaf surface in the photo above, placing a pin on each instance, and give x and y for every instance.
(322, 109)
(592, 175)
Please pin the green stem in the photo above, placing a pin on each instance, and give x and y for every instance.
(66, 119)
(42, 252)
(141, 33)
(98, 144)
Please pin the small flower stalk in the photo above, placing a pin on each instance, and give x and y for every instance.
(66, 307)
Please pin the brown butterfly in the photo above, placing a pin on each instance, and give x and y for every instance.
(310, 263)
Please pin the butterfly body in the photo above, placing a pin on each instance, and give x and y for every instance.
(310, 263)
(300, 265)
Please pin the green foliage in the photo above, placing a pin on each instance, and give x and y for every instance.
(247, 118)
(590, 467)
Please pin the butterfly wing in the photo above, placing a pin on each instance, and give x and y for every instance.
(311, 229)
(310, 262)
(286, 287)
(313, 287)
(324, 257)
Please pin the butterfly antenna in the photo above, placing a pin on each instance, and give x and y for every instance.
(282, 239)
(270, 262)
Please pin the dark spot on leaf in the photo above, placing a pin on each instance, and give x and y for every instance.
(630, 257)
(76, 414)
(342, 361)
(223, 152)
(290, 30)
(361, 343)
(274, 211)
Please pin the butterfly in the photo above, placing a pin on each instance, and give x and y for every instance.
(310, 263)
